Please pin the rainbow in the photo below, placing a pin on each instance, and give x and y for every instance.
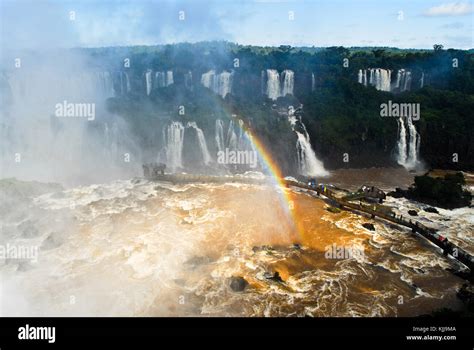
(276, 177)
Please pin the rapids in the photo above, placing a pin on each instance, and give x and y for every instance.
(140, 248)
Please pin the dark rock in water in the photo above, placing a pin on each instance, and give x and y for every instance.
(275, 277)
(296, 246)
(262, 248)
(413, 212)
(466, 294)
(431, 210)
(238, 283)
(369, 226)
(447, 192)
(398, 193)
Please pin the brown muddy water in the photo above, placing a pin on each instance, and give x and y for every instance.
(140, 248)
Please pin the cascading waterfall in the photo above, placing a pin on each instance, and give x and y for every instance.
(403, 82)
(225, 79)
(220, 135)
(163, 79)
(160, 80)
(279, 85)
(413, 146)
(362, 77)
(273, 84)
(202, 142)
(231, 137)
(381, 79)
(378, 77)
(124, 83)
(148, 82)
(288, 77)
(169, 78)
(422, 80)
(408, 145)
(308, 162)
(174, 140)
(313, 82)
(402, 143)
(221, 83)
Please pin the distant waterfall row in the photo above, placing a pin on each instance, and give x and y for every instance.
(408, 145)
(276, 85)
(220, 83)
(382, 80)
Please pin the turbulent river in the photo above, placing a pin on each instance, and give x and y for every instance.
(141, 248)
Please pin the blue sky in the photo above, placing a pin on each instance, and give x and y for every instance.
(398, 23)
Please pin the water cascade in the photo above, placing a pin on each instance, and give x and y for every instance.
(308, 163)
(278, 85)
(408, 145)
(221, 83)
(202, 142)
(173, 136)
(220, 135)
(148, 82)
(403, 82)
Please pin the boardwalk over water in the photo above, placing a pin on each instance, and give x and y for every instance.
(376, 210)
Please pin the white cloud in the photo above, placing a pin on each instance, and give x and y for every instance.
(450, 9)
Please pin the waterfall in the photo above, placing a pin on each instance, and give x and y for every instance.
(408, 145)
(273, 84)
(202, 142)
(221, 83)
(402, 143)
(403, 82)
(225, 83)
(160, 80)
(276, 85)
(231, 137)
(169, 78)
(313, 82)
(174, 139)
(220, 135)
(288, 77)
(163, 79)
(414, 144)
(380, 78)
(127, 82)
(407, 83)
(308, 162)
(360, 76)
(148, 81)
(124, 83)
(422, 80)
